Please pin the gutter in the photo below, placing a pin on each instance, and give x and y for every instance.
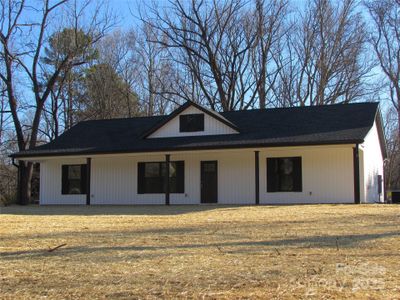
(183, 149)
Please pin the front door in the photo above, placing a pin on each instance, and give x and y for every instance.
(209, 181)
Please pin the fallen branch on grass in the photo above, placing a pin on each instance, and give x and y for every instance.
(55, 248)
(219, 249)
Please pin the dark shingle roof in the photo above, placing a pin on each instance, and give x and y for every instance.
(318, 125)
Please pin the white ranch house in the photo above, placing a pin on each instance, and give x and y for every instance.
(325, 154)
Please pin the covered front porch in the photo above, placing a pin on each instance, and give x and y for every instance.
(229, 176)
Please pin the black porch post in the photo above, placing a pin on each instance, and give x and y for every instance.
(19, 200)
(257, 175)
(356, 163)
(88, 172)
(167, 160)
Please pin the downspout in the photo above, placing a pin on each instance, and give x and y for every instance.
(14, 164)
(18, 180)
(356, 165)
(385, 199)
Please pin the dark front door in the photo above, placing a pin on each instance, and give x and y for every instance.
(209, 182)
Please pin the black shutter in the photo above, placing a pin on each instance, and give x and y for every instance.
(140, 178)
(64, 180)
(180, 176)
(297, 178)
(272, 175)
(83, 179)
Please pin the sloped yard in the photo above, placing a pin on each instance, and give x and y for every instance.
(310, 251)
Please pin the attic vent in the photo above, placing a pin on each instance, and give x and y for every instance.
(191, 122)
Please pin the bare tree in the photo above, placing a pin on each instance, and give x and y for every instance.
(392, 171)
(324, 59)
(269, 22)
(385, 39)
(3, 111)
(157, 75)
(209, 41)
(22, 44)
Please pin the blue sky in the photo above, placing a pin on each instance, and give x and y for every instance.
(127, 12)
(125, 8)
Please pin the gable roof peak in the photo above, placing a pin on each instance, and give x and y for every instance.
(182, 108)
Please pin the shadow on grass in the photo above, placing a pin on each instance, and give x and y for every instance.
(135, 210)
(207, 225)
(132, 210)
(229, 247)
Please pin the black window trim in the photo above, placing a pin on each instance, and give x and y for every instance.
(181, 122)
(65, 181)
(139, 180)
(299, 189)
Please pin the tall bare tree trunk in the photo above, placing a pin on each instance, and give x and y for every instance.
(17, 44)
(24, 184)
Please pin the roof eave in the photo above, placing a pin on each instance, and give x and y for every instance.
(381, 132)
(22, 156)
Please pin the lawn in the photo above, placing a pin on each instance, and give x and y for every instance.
(209, 252)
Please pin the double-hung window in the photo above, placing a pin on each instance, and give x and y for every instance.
(73, 179)
(151, 177)
(284, 174)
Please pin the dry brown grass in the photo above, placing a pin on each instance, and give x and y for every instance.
(313, 251)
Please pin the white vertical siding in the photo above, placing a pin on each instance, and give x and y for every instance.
(212, 126)
(327, 175)
(373, 166)
(235, 177)
(50, 182)
(114, 179)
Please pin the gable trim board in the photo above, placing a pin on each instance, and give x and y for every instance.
(381, 133)
(324, 138)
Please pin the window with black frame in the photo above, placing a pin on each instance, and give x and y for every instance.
(284, 174)
(151, 177)
(73, 179)
(191, 123)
